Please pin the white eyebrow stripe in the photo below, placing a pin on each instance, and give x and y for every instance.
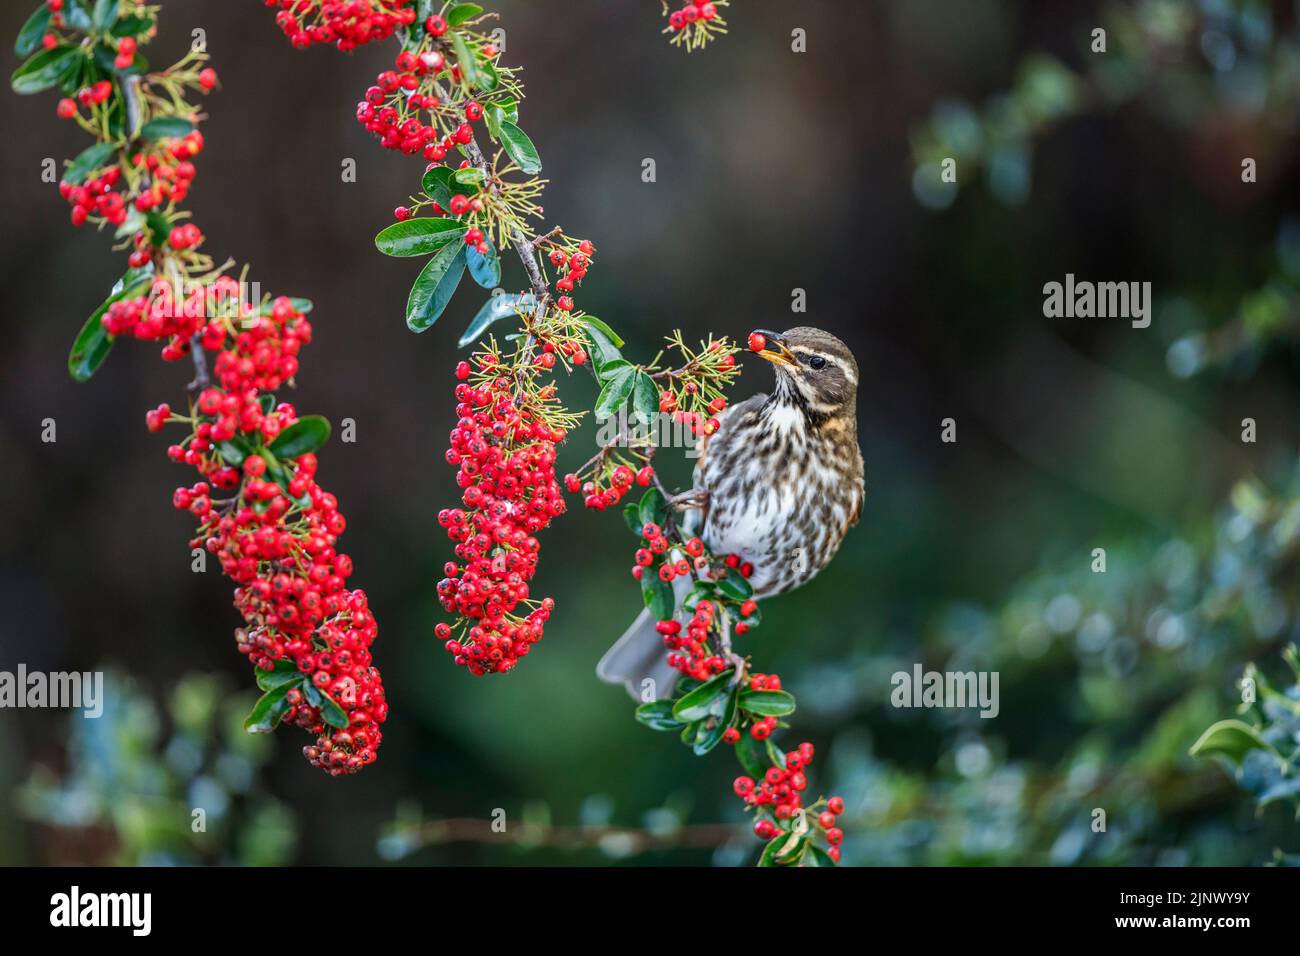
(804, 350)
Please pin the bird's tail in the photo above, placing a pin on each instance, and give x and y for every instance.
(639, 655)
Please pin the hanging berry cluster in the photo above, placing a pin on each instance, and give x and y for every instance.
(696, 23)
(445, 93)
(260, 510)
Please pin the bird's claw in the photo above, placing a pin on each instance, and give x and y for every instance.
(695, 498)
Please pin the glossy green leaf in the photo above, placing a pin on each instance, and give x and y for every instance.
(520, 148)
(92, 345)
(267, 712)
(632, 517)
(735, 586)
(645, 397)
(418, 237)
(331, 712)
(615, 393)
(305, 435)
(768, 703)
(658, 595)
(33, 31)
(603, 349)
(462, 12)
(166, 127)
(285, 672)
(46, 69)
(435, 286)
(495, 309)
(603, 327)
(654, 507)
(658, 715)
(88, 160)
(700, 703)
(752, 756)
(711, 731)
(105, 13)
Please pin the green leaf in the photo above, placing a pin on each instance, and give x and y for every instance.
(658, 715)
(645, 397)
(654, 507)
(305, 435)
(1232, 739)
(658, 595)
(614, 369)
(816, 856)
(700, 702)
(418, 237)
(520, 148)
(600, 325)
(775, 755)
(632, 517)
(88, 160)
(615, 392)
(462, 12)
(735, 586)
(285, 672)
(469, 176)
(105, 13)
(93, 344)
(767, 703)
(46, 69)
(484, 268)
(784, 850)
(33, 31)
(495, 309)
(267, 712)
(503, 111)
(166, 127)
(233, 452)
(331, 712)
(435, 287)
(752, 756)
(711, 731)
(603, 349)
(488, 77)
(132, 26)
(465, 59)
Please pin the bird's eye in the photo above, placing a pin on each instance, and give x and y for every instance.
(817, 362)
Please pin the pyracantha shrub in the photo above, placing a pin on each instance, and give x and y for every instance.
(260, 510)
(447, 91)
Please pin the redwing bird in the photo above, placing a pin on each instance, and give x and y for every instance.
(779, 483)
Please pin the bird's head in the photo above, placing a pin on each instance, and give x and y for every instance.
(814, 370)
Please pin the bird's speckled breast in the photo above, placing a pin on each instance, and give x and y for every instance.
(781, 494)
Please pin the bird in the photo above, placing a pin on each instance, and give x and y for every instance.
(779, 482)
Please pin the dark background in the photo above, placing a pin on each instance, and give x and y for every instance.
(776, 170)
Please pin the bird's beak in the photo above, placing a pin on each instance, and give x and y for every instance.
(775, 350)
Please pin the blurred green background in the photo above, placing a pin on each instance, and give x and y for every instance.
(776, 171)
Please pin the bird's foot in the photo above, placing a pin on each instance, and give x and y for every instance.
(695, 498)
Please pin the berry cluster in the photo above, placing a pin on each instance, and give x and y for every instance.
(261, 512)
(505, 450)
(347, 24)
(695, 23)
(780, 792)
